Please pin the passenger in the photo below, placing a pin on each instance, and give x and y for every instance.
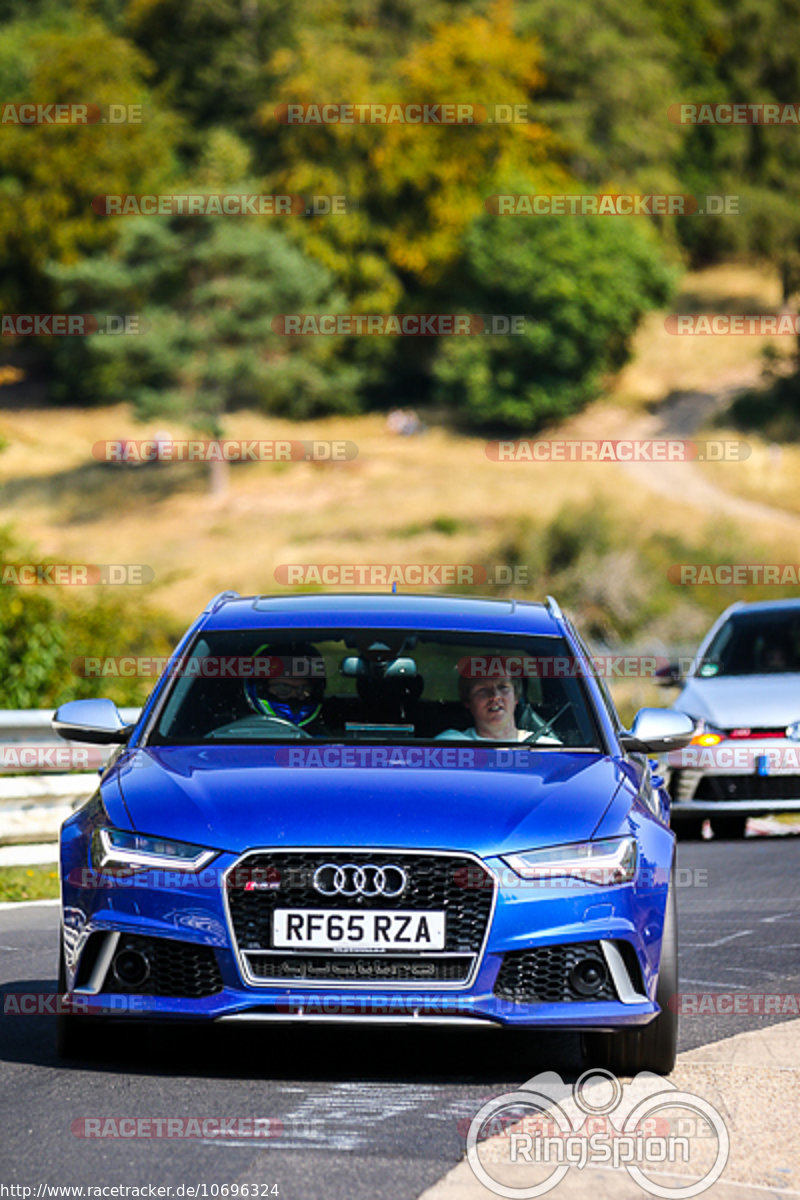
(493, 703)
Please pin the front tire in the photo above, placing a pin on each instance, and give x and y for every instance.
(653, 1047)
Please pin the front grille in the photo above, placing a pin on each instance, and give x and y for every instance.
(176, 968)
(542, 975)
(361, 968)
(748, 787)
(458, 886)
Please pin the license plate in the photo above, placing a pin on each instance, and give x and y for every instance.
(331, 929)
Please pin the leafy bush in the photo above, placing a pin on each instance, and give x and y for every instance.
(581, 285)
(615, 582)
(45, 632)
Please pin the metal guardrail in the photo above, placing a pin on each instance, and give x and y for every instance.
(36, 794)
(19, 724)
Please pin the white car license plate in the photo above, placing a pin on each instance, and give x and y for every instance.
(374, 929)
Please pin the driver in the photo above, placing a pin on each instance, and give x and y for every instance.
(293, 690)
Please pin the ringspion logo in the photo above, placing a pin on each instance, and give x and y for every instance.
(536, 1134)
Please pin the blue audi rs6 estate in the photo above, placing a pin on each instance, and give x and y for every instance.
(376, 808)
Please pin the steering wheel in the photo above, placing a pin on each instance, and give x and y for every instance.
(547, 728)
(296, 730)
(255, 725)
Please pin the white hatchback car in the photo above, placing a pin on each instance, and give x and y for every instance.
(744, 688)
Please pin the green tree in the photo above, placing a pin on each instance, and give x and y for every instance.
(609, 75)
(207, 292)
(417, 187)
(581, 285)
(49, 174)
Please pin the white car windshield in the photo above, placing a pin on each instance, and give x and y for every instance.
(754, 643)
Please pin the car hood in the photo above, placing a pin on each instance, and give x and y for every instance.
(233, 798)
(743, 701)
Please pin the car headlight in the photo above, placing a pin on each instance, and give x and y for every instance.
(117, 847)
(707, 736)
(606, 861)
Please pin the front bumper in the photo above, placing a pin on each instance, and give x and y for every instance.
(93, 990)
(736, 777)
(621, 924)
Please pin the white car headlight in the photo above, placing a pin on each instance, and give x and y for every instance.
(604, 862)
(117, 847)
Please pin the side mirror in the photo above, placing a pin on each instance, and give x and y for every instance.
(98, 721)
(658, 730)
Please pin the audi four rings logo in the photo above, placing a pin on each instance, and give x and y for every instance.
(352, 880)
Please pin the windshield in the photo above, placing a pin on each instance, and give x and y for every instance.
(754, 643)
(375, 685)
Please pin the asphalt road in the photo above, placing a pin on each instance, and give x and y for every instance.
(367, 1115)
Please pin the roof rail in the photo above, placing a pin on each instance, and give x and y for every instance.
(553, 608)
(219, 599)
